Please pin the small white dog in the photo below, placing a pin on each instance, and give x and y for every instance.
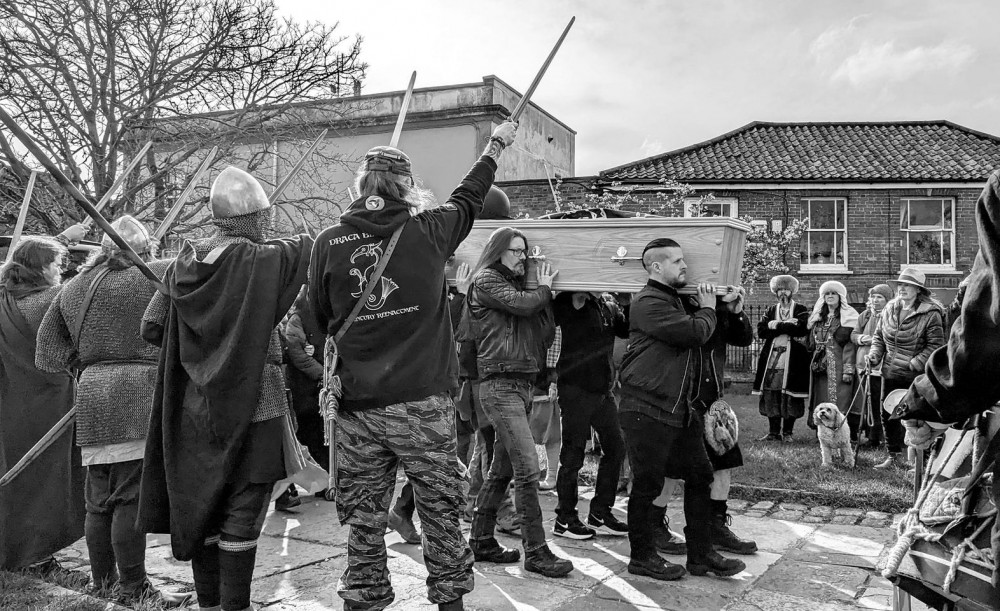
(834, 435)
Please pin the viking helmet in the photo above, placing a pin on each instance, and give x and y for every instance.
(132, 231)
(235, 193)
(496, 205)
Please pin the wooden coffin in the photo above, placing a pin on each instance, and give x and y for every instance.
(606, 254)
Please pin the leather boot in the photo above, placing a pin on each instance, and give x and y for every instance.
(490, 550)
(703, 561)
(667, 541)
(722, 537)
(656, 567)
(404, 526)
(544, 562)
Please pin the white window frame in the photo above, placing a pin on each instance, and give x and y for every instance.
(734, 204)
(826, 267)
(904, 203)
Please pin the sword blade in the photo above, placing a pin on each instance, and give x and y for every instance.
(538, 77)
(22, 216)
(101, 203)
(295, 168)
(40, 446)
(402, 111)
(175, 210)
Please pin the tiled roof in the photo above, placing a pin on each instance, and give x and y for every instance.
(828, 152)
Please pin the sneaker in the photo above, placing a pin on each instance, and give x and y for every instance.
(893, 461)
(287, 500)
(657, 568)
(544, 562)
(787, 438)
(607, 525)
(404, 526)
(572, 528)
(770, 437)
(490, 550)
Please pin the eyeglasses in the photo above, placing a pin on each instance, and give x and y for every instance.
(518, 252)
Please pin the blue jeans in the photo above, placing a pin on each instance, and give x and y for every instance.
(506, 402)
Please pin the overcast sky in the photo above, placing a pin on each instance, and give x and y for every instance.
(639, 78)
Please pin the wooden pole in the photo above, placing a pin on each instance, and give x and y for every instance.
(394, 142)
(81, 199)
(22, 216)
(101, 203)
(175, 210)
(538, 77)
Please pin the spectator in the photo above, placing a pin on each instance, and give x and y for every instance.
(832, 363)
(910, 328)
(782, 379)
(862, 336)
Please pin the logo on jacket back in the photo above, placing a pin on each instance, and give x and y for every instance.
(371, 253)
(374, 202)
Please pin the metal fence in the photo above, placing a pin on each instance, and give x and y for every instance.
(741, 361)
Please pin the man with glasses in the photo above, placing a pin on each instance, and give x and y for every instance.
(512, 325)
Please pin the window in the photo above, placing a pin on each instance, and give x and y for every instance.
(824, 243)
(928, 230)
(716, 206)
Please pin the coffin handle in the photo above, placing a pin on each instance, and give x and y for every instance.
(620, 257)
(536, 253)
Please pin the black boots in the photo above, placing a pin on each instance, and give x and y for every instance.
(544, 562)
(657, 568)
(490, 550)
(666, 541)
(722, 537)
(704, 561)
(453, 605)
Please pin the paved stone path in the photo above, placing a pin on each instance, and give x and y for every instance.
(814, 558)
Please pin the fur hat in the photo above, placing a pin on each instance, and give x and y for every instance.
(848, 315)
(784, 281)
(882, 289)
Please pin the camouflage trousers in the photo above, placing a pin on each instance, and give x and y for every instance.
(370, 444)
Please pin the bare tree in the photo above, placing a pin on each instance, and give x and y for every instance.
(91, 80)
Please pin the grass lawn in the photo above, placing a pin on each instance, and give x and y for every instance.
(22, 591)
(790, 472)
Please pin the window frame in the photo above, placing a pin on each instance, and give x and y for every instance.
(734, 205)
(904, 203)
(806, 205)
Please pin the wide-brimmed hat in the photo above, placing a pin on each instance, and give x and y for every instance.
(912, 275)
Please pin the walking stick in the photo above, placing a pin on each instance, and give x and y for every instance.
(81, 199)
(22, 215)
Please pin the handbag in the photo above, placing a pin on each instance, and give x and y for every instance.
(329, 396)
(722, 429)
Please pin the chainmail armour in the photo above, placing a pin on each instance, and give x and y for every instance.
(271, 399)
(34, 305)
(115, 390)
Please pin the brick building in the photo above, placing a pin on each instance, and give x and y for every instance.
(878, 196)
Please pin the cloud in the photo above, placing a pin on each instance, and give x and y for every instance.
(874, 63)
(828, 44)
(651, 147)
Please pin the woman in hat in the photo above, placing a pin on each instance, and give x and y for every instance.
(782, 378)
(862, 336)
(832, 363)
(910, 328)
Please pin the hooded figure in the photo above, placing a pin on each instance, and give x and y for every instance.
(960, 380)
(832, 363)
(782, 378)
(214, 448)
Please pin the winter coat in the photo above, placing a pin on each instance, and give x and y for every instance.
(798, 357)
(903, 346)
(867, 323)
(840, 361)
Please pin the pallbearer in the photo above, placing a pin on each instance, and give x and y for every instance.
(214, 448)
(94, 323)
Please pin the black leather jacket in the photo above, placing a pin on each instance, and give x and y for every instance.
(512, 325)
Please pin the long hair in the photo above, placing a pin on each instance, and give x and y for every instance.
(495, 246)
(393, 186)
(114, 258)
(24, 273)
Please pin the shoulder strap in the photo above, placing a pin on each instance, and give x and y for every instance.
(85, 305)
(370, 286)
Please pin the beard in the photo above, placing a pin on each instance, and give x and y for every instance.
(784, 299)
(678, 282)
